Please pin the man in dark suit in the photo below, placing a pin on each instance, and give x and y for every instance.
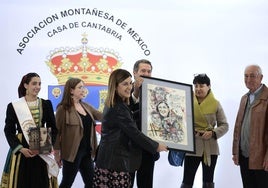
(144, 175)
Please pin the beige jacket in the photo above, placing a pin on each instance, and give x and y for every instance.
(220, 127)
(70, 131)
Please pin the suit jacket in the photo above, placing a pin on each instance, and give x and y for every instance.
(70, 131)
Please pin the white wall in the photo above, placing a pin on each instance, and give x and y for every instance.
(217, 37)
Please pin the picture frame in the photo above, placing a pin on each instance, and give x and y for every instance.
(40, 140)
(167, 113)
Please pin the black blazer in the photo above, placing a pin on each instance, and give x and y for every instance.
(12, 127)
(119, 132)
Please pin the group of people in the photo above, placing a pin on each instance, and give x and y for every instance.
(124, 153)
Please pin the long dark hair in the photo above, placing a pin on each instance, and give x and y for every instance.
(25, 80)
(67, 100)
(162, 102)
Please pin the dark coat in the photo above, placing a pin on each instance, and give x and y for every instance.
(119, 132)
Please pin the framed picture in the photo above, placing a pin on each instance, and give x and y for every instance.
(167, 113)
(40, 140)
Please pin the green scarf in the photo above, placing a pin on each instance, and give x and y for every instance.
(208, 106)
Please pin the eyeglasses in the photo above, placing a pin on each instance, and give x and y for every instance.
(200, 75)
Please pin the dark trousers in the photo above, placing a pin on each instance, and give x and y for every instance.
(82, 163)
(144, 174)
(191, 164)
(252, 178)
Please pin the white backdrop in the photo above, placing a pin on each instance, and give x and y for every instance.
(217, 37)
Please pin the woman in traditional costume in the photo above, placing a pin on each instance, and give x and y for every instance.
(25, 168)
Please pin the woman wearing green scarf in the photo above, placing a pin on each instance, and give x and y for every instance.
(210, 124)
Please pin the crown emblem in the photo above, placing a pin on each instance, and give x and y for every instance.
(92, 65)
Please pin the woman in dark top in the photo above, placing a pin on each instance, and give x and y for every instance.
(76, 140)
(119, 130)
